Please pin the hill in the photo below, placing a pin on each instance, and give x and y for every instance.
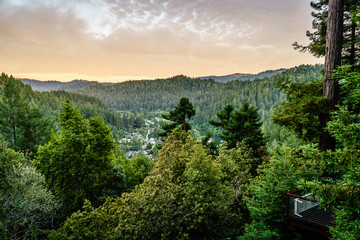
(245, 76)
(43, 86)
(207, 95)
(51, 103)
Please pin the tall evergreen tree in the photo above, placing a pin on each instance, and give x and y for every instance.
(13, 109)
(334, 39)
(303, 109)
(37, 130)
(240, 125)
(179, 116)
(350, 36)
(77, 161)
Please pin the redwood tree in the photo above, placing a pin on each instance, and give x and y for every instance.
(334, 35)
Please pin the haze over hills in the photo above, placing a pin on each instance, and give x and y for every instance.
(245, 76)
(42, 86)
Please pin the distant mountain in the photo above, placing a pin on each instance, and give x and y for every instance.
(43, 86)
(245, 76)
(207, 95)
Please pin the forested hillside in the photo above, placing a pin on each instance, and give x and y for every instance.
(244, 76)
(55, 85)
(89, 106)
(287, 166)
(207, 95)
(142, 97)
(50, 104)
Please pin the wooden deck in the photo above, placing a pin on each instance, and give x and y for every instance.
(314, 219)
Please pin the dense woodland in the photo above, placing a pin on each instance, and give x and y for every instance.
(64, 176)
(207, 96)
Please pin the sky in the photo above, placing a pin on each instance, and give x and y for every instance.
(117, 40)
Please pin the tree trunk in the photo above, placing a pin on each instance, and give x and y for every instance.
(334, 36)
(352, 50)
(13, 129)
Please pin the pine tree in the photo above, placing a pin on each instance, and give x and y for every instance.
(77, 161)
(350, 36)
(240, 125)
(179, 116)
(37, 130)
(13, 109)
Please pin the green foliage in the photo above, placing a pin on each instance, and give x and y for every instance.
(350, 49)
(338, 188)
(50, 104)
(302, 111)
(136, 170)
(115, 183)
(26, 206)
(347, 225)
(187, 195)
(345, 122)
(179, 116)
(173, 201)
(29, 206)
(349, 82)
(37, 130)
(87, 225)
(8, 158)
(240, 125)
(77, 162)
(208, 97)
(210, 144)
(345, 127)
(337, 181)
(13, 109)
(21, 122)
(245, 162)
(267, 191)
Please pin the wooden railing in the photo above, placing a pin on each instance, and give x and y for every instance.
(304, 211)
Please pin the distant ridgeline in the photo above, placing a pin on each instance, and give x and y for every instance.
(207, 95)
(245, 76)
(51, 102)
(42, 86)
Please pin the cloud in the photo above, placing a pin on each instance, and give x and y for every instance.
(149, 37)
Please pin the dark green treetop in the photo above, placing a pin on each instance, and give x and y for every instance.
(302, 111)
(77, 162)
(13, 109)
(350, 49)
(240, 125)
(22, 123)
(179, 116)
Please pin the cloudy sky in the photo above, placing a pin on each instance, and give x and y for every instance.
(116, 40)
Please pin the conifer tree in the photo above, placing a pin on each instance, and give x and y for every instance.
(12, 110)
(240, 125)
(179, 116)
(334, 39)
(77, 161)
(350, 36)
